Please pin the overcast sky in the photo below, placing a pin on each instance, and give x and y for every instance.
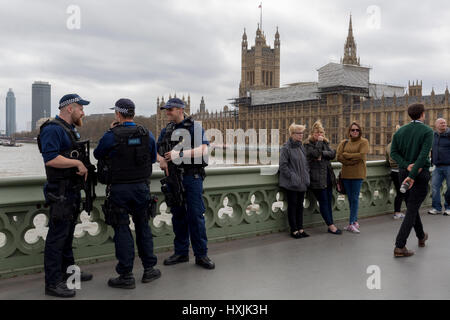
(145, 49)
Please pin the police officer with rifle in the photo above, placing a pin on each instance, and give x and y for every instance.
(68, 170)
(126, 153)
(182, 155)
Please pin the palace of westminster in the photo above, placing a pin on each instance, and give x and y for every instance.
(343, 93)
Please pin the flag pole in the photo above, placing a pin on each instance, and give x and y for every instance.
(260, 6)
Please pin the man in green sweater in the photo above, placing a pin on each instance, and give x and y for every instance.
(410, 148)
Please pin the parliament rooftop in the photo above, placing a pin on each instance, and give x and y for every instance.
(246, 220)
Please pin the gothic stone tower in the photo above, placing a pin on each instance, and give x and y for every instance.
(350, 48)
(260, 65)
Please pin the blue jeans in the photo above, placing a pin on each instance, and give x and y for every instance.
(353, 188)
(188, 220)
(439, 175)
(134, 198)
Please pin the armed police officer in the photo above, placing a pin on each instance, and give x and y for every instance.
(126, 153)
(63, 154)
(182, 150)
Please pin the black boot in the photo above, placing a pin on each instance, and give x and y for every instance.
(174, 259)
(124, 281)
(59, 290)
(205, 262)
(150, 274)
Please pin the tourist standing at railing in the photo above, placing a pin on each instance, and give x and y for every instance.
(410, 148)
(399, 197)
(294, 178)
(320, 155)
(440, 157)
(352, 153)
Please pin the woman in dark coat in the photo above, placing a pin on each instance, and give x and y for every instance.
(294, 178)
(322, 177)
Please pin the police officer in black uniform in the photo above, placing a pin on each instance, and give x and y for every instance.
(126, 153)
(187, 217)
(59, 143)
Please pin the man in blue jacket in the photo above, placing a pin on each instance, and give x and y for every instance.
(126, 153)
(441, 160)
(61, 148)
(188, 220)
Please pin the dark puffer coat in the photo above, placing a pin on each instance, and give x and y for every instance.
(318, 169)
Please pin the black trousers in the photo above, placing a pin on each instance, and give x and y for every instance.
(414, 198)
(58, 253)
(295, 209)
(134, 198)
(399, 197)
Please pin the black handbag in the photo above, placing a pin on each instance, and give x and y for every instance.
(340, 185)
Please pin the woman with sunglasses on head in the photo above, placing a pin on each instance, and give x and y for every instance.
(352, 153)
(294, 178)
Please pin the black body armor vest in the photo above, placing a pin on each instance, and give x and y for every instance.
(167, 145)
(76, 151)
(131, 161)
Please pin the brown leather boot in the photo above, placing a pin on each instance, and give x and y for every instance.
(402, 252)
(422, 242)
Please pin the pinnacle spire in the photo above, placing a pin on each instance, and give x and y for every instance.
(350, 47)
(350, 27)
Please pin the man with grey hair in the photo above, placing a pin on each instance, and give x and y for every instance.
(441, 160)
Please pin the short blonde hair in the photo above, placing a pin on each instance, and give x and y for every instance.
(294, 127)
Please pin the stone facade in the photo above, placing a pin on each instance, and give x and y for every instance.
(342, 94)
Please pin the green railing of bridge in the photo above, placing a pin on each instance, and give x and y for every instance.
(240, 202)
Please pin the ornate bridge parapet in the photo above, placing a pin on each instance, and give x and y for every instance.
(239, 201)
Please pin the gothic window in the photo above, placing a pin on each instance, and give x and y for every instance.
(367, 124)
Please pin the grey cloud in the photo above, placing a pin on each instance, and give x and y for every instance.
(145, 49)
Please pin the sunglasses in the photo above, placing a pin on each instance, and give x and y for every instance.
(355, 130)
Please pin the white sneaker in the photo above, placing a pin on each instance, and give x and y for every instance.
(447, 212)
(434, 212)
(351, 228)
(398, 216)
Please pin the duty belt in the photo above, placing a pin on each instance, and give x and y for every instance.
(193, 171)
